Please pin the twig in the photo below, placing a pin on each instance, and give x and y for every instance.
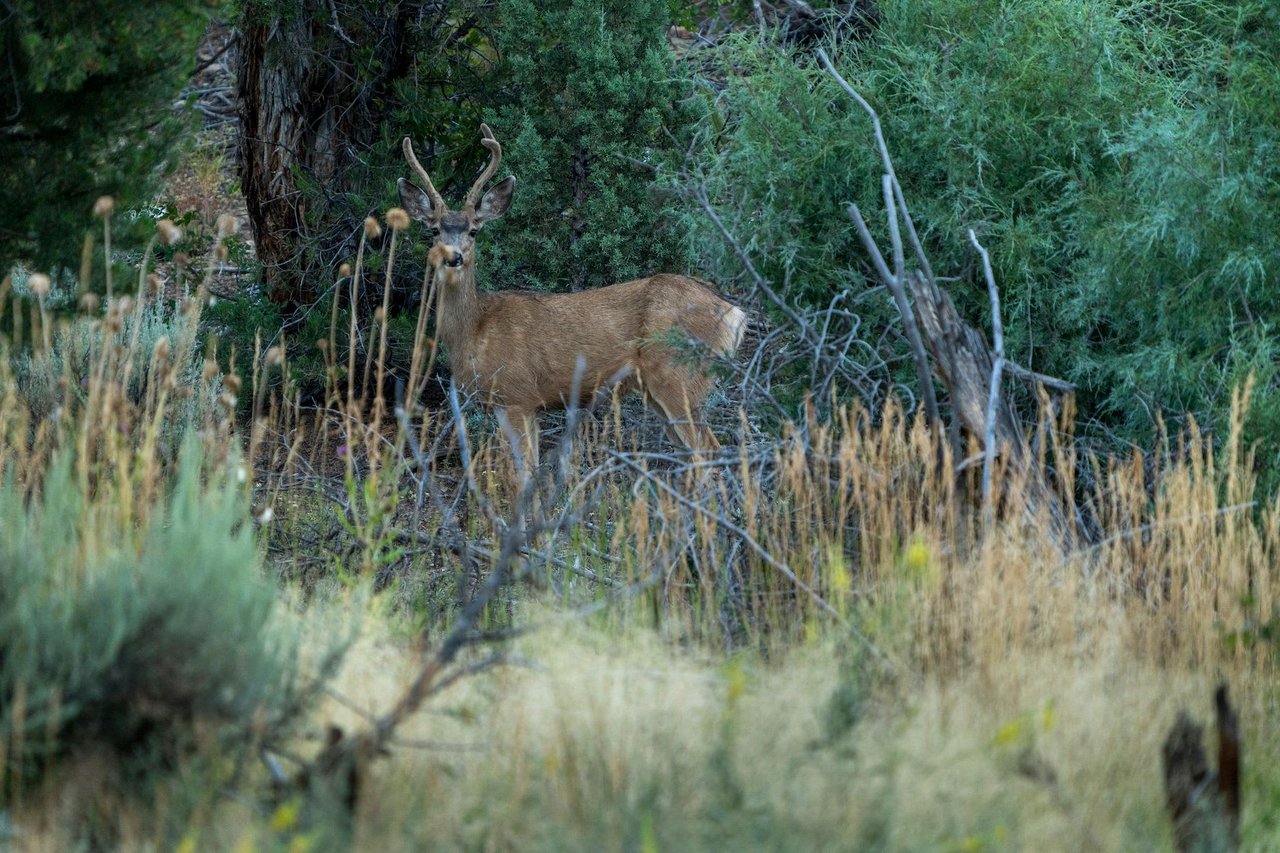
(997, 371)
(894, 202)
(923, 372)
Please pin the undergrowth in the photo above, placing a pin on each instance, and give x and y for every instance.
(812, 639)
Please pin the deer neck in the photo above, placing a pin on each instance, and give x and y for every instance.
(457, 311)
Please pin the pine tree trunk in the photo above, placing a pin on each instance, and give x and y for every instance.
(309, 109)
(276, 138)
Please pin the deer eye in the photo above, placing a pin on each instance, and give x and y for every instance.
(434, 232)
(475, 231)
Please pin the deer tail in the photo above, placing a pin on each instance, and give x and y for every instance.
(732, 327)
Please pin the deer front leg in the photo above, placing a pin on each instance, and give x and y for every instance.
(520, 426)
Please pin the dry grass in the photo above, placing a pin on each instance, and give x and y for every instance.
(819, 646)
(613, 740)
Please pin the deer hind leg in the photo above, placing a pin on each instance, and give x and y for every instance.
(678, 393)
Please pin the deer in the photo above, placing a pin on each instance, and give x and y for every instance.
(522, 352)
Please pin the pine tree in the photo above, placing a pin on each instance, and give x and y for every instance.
(595, 107)
(86, 95)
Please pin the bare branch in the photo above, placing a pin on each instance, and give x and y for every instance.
(997, 372)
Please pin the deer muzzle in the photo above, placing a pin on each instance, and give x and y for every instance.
(445, 256)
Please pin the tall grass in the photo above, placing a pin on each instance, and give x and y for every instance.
(811, 640)
(939, 685)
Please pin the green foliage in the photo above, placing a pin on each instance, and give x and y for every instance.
(1118, 161)
(133, 638)
(1183, 262)
(783, 166)
(595, 107)
(86, 94)
(42, 377)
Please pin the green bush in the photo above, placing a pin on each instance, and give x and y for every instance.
(135, 638)
(1178, 289)
(1117, 160)
(86, 95)
(595, 105)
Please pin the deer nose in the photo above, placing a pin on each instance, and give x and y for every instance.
(455, 261)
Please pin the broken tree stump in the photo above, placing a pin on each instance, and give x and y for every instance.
(1204, 805)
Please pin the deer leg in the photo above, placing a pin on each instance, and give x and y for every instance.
(523, 436)
(678, 396)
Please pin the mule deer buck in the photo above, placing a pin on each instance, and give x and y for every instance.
(519, 351)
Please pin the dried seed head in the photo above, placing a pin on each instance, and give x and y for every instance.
(372, 231)
(182, 259)
(162, 349)
(169, 233)
(123, 305)
(379, 315)
(398, 218)
(227, 225)
(227, 400)
(89, 303)
(232, 383)
(274, 356)
(322, 344)
(155, 283)
(344, 270)
(221, 252)
(435, 256)
(210, 369)
(40, 284)
(103, 206)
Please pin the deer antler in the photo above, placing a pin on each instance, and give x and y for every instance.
(488, 140)
(437, 202)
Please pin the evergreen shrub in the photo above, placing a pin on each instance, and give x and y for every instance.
(1119, 163)
(135, 638)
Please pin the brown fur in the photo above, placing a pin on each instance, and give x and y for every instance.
(519, 351)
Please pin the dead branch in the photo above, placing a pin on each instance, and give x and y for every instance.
(967, 367)
(997, 374)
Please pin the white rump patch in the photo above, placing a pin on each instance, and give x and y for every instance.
(735, 327)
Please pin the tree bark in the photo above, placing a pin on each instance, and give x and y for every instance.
(310, 105)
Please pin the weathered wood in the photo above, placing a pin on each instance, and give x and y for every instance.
(962, 360)
(1204, 806)
(309, 108)
(1228, 762)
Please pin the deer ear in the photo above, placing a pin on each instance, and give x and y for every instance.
(417, 202)
(496, 201)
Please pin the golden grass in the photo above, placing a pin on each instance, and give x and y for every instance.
(898, 676)
(612, 739)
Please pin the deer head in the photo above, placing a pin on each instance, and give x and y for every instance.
(455, 230)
